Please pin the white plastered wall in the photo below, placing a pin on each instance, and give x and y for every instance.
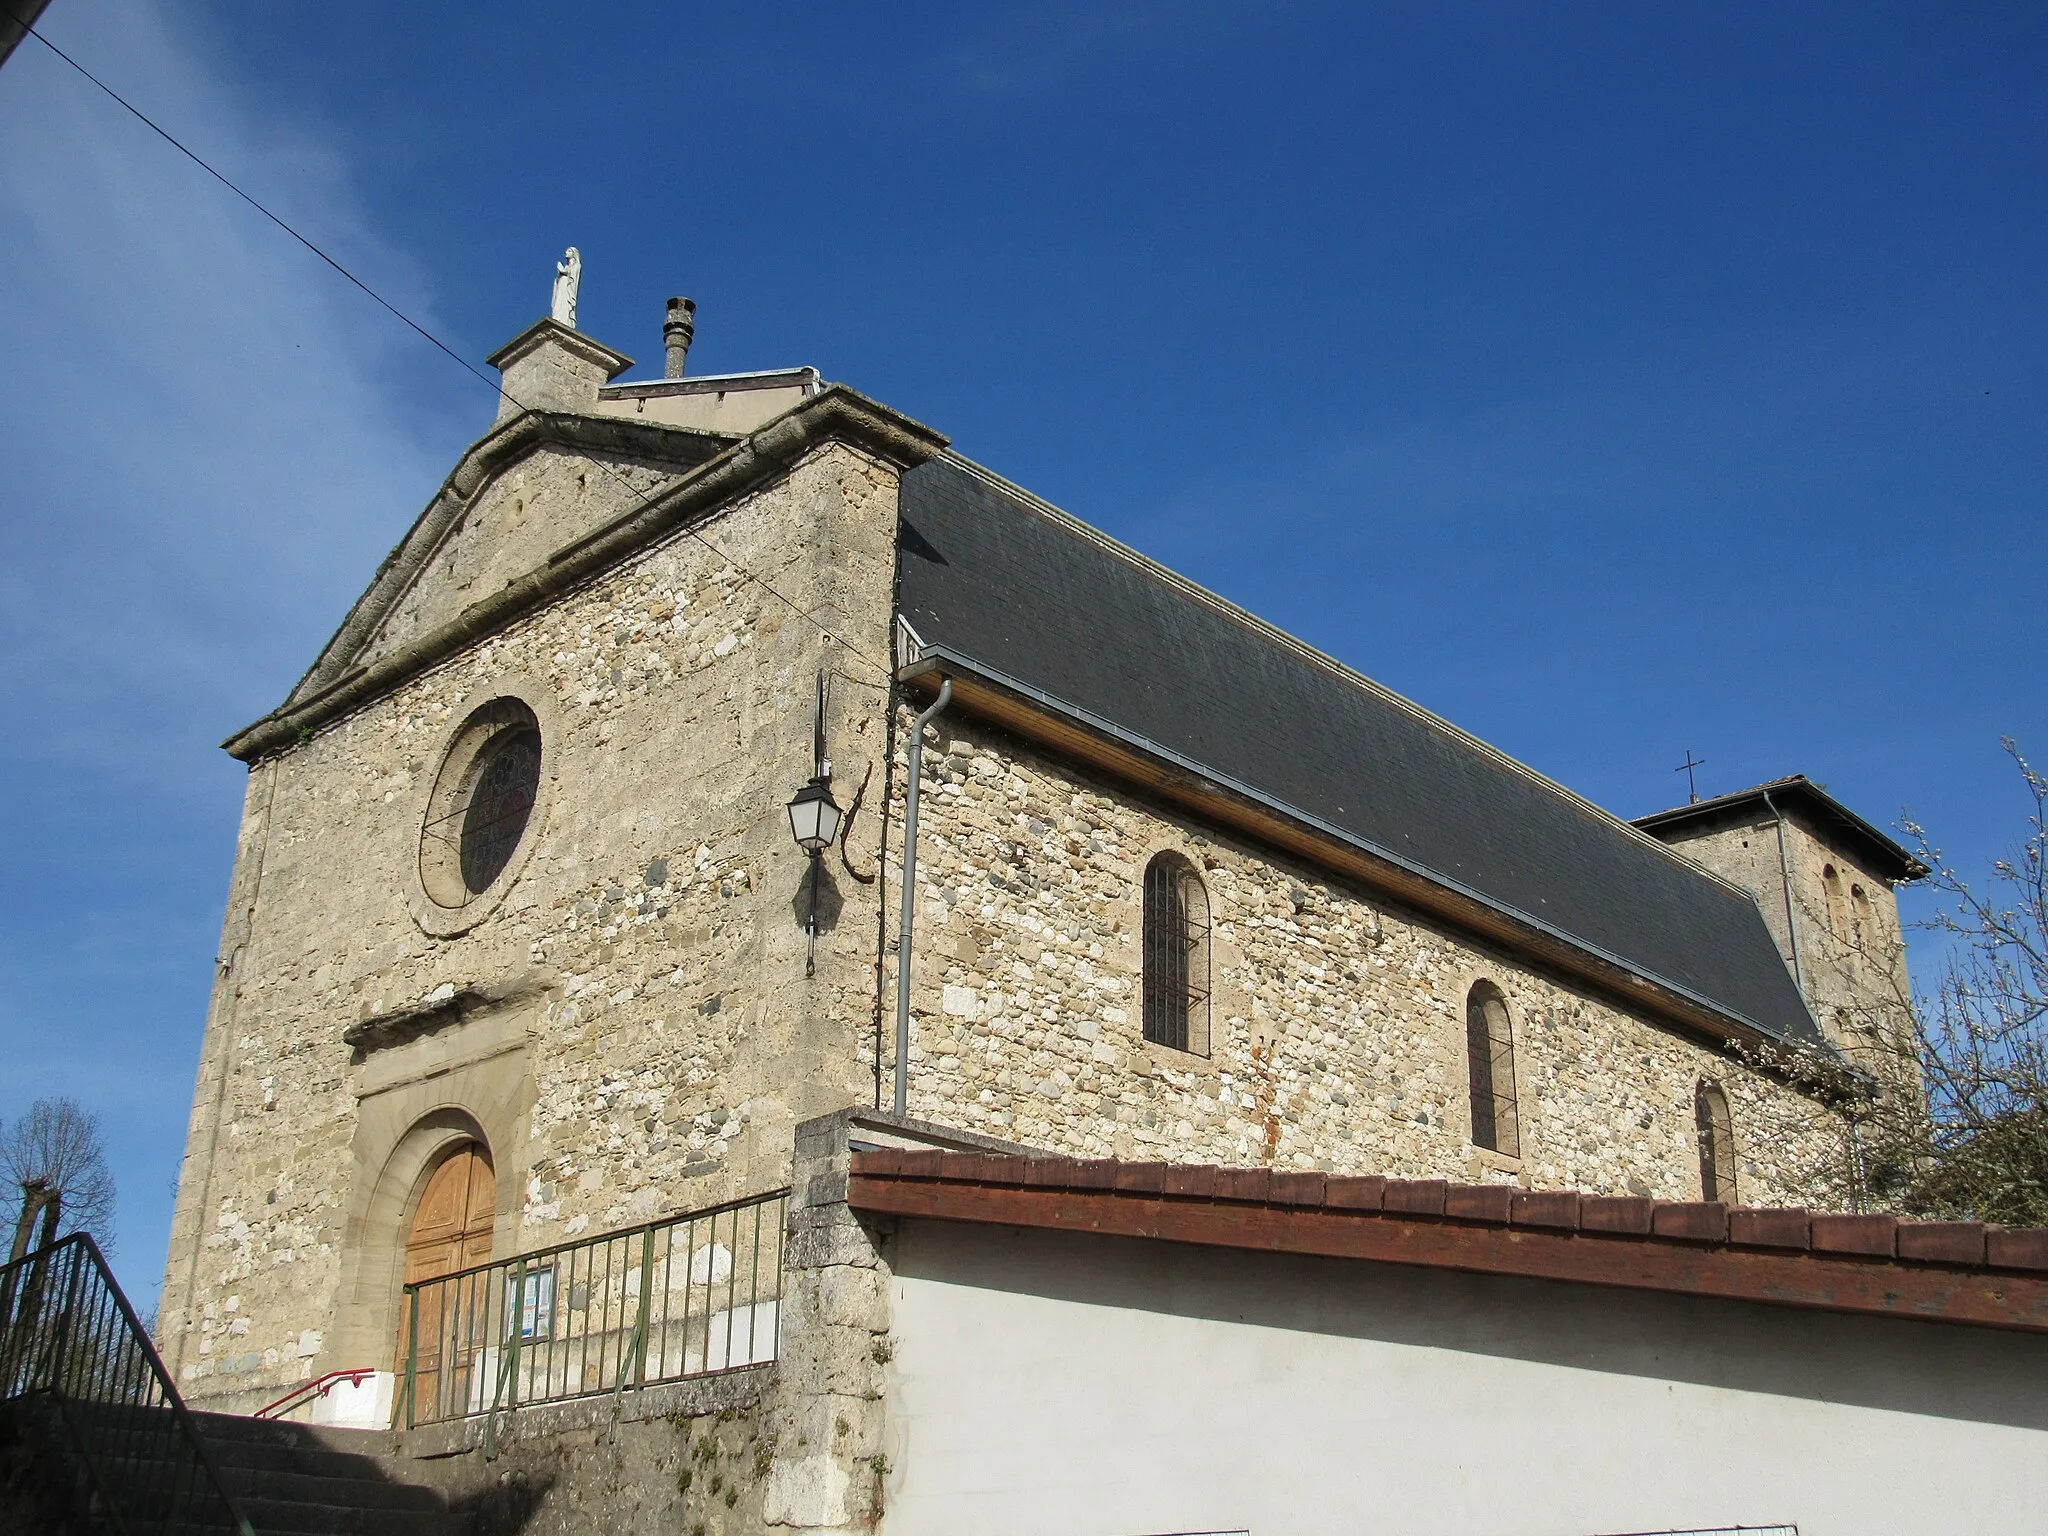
(1109, 1387)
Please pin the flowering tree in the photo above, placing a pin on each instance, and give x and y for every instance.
(1933, 1104)
(1980, 1042)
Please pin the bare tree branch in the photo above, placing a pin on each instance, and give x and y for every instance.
(1982, 1035)
(55, 1151)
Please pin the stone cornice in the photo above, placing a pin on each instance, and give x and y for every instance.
(646, 442)
(551, 332)
(333, 688)
(450, 1005)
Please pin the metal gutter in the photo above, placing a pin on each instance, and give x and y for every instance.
(933, 657)
(1785, 882)
(908, 918)
(710, 383)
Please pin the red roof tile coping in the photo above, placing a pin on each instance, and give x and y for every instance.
(1879, 1264)
(1770, 1228)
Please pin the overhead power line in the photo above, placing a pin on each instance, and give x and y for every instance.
(26, 24)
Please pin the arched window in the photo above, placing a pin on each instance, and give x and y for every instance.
(1176, 944)
(1717, 1143)
(1862, 927)
(1831, 883)
(1490, 1060)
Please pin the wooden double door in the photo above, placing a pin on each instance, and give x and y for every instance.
(451, 1231)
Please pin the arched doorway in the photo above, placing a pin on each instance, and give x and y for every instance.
(451, 1231)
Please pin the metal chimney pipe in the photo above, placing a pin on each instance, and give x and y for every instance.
(677, 333)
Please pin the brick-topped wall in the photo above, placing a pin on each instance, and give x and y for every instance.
(1964, 1272)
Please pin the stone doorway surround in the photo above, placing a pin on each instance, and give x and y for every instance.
(427, 1080)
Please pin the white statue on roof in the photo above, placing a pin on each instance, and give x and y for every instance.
(568, 278)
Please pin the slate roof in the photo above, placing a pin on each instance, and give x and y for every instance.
(1029, 595)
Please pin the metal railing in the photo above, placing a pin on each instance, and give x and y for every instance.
(309, 1391)
(685, 1296)
(73, 1353)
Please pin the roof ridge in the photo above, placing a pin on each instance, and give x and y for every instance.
(1913, 866)
(1338, 668)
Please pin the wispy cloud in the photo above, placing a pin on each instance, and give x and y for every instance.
(209, 440)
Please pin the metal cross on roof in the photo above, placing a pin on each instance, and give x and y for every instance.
(1692, 789)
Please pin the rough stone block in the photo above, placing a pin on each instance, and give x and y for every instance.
(837, 1245)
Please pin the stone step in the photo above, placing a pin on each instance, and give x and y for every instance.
(281, 1517)
(253, 1457)
(369, 1490)
(287, 1479)
(338, 1511)
(240, 1429)
(318, 1520)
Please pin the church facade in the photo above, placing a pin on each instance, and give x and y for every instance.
(519, 946)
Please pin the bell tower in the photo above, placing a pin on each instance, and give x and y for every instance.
(1826, 881)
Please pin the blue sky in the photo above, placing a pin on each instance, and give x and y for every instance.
(1614, 380)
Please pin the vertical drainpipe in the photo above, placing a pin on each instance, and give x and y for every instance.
(909, 901)
(1785, 877)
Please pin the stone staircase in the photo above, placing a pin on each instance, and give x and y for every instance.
(297, 1480)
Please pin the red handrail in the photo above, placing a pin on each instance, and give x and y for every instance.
(319, 1386)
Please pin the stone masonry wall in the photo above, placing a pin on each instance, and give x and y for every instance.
(654, 1040)
(1338, 1022)
(672, 1041)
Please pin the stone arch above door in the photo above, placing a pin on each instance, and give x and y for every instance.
(403, 1133)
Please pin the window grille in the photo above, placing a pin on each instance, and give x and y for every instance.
(1176, 955)
(500, 801)
(1717, 1143)
(480, 810)
(1490, 1057)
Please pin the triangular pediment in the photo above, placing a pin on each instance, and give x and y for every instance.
(535, 486)
(437, 593)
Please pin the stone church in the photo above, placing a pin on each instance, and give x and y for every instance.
(520, 947)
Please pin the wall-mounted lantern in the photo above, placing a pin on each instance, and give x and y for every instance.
(814, 818)
(814, 815)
